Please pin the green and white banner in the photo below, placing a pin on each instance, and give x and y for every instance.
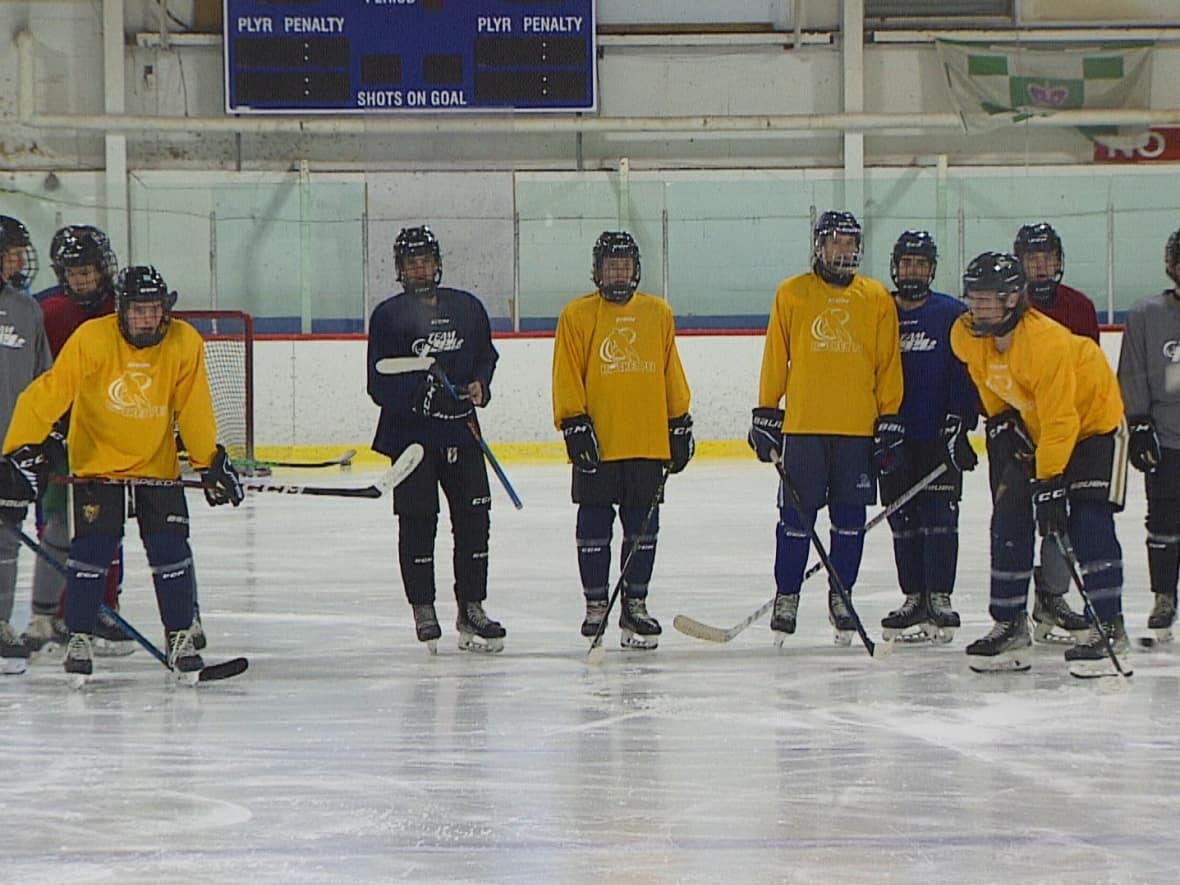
(996, 84)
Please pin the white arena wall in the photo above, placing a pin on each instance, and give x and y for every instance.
(310, 393)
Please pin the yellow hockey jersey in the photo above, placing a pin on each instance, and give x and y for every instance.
(834, 354)
(1061, 384)
(125, 402)
(618, 363)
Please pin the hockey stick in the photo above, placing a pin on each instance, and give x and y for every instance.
(874, 649)
(396, 365)
(344, 459)
(211, 673)
(1075, 572)
(402, 467)
(690, 627)
(597, 653)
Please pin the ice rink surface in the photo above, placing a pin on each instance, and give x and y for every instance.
(347, 754)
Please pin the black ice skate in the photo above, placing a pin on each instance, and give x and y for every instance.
(1003, 650)
(944, 618)
(1054, 621)
(14, 657)
(840, 618)
(640, 630)
(782, 622)
(909, 623)
(186, 664)
(426, 626)
(1163, 615)
(109, 639)
(1090, 657)
(79, 661)
(478, 632)
(595, 615)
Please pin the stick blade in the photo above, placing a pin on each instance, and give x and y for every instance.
(397, 365)
(596, 655)
(690, 627)
(882, 649)
(407, 462)
(224, 670)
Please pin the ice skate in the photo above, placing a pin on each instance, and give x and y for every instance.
(1054, 621)
(843, 625)
(640, 630)
(909, 623)
(109, 640)
(14, 657)
(426, 626)
(186, 664)
(782, 622)
(595, 615)
(1003, 650)
(478, 632)
(45, 636)
(197, 631)
(1090, 657)
(944, 618)
(1163, 615)
(79, 660)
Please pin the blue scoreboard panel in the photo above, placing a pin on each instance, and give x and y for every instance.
(384, 56)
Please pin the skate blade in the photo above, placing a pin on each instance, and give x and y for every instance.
(780, 636)
(1048, 634)
(77, 681)
(1007, 662)
(634, 642)
(919, 634)
(842, 638)
(13, 666)
(484, 646)
(1160, 636)
(431, 645)
(187, 679)
(1097, 669)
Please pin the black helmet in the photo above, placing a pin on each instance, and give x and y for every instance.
(83, 245)
(142, 284)
(1002, 274)
(831, 224)
(918, 243)
(1041, 238)
(1172, 255)
(616, 244)
(14, 235)
(412, 242)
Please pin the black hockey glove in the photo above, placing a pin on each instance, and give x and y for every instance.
(766, 433)
(22, 476)
(581, 443)
(888, 444)
(221, 482)
(1008, 439)
(1145, 443)
(436, 401)
(1051, 505)
(680, 441)
(959, 454)
(56, 457)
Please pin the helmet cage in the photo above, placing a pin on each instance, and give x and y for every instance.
(616, 244)
(917, 243)
(410, 243)
(1004, 275)
(1172, 257)
(84, 246)
(142, 284)
(841, 268)
(1033, 239)
(14, 235)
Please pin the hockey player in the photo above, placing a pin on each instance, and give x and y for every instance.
(1043, 260)
(620, 400)
(938, 409)
(24, 354)
(1149, 375)
(85, 266)
(832, 350)
(451, 326)
(128, 379)
(1052, 402)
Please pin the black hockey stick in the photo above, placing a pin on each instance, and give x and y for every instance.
(344, 459)
(402, 468)
(874, 649)
(211, 673)
(691, 627)
(1075, 572)
(597, 653)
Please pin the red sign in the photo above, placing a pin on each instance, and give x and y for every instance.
(1163, 146)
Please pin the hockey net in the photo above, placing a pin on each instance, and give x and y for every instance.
(229, 362)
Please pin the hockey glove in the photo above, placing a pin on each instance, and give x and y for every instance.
(436, 401)
(56, 457)
(221, 482)
(680, 442)
(1008, 439)
(959, 453)
(22, 474)
(1145, 443)
(1051, 506)
(766, 433)
(888, 444)
(581, 443)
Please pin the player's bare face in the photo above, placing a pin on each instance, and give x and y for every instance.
(12, 262)
(419, 269)
(83, 280)
(617, 270)
(144, 317)
(1041, 265)
(913, 267)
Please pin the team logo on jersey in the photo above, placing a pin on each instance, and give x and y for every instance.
(90, 512)
(829, 331)
(618, 354)
(1172, 351)
(916, 342)
(128, 396)
(437, 342)
(1000, 382)
(10, 338)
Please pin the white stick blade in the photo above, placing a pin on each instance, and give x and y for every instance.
(397, 365)
(697, 630)
(406, 463)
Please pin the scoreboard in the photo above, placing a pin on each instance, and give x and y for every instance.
(389, 56)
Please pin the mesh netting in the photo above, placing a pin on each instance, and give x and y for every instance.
(229, 362)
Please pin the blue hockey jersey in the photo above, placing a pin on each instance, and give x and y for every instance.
(936, 382)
